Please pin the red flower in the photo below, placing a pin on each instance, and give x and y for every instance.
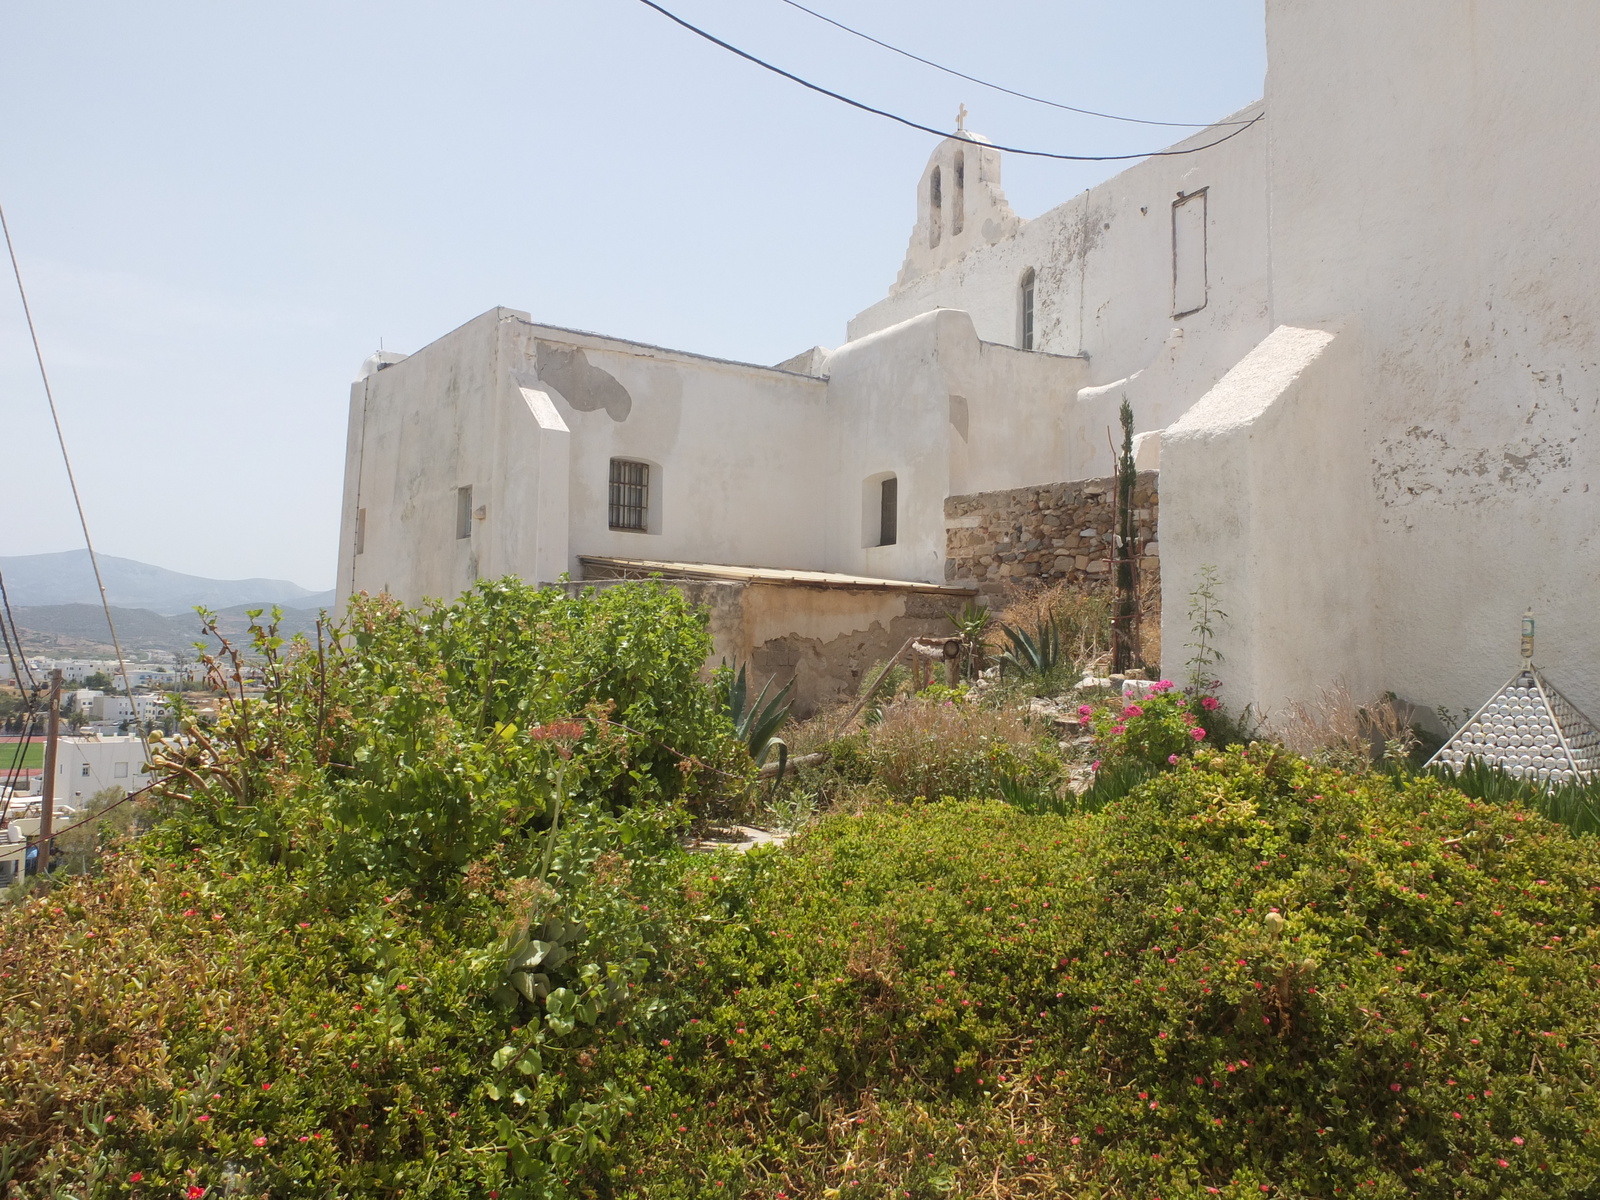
(195, 1191)
(136, 1177)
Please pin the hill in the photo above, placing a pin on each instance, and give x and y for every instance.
(37, 580)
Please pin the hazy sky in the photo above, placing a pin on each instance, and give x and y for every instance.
(220, 209)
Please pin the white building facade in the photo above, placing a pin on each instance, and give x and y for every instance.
(1356, 324)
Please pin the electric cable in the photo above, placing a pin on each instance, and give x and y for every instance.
(928, 62)
(917, 125)
(72, 479)
(9, 617)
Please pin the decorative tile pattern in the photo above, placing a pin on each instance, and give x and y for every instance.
(1531, 731)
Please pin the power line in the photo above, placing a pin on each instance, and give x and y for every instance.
(83, 520)
(928, 62)
(908, 122)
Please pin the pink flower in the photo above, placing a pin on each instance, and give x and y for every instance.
(261, 1141)
(1394, 1087)
(1173, 759)
(1095, 765)
(1118, 728)
(1133, 710)
(1502, 1162)
(1197, 734)
(1085, 711)
(1518, 1141)
(1210, 703)
(195, 1192)
(1164, 686)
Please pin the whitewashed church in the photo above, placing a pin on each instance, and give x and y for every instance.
(1361, 337)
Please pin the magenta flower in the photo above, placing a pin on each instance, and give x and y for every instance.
(1119, 728)
(1172, 759)
(1197, 733)
(1133, 710)
(1164, 686)
(1085, 711)
(1210, 703)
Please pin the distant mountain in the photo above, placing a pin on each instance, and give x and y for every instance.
(35, 580)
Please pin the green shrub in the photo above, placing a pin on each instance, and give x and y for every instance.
(1251, 977)
(352, 959)
(1156, 730)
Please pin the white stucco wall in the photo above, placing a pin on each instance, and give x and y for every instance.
(749, 465)
(1103, 266)
(1262, 481)
(1434, 169)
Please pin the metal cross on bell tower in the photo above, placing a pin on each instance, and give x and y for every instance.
(961, 119)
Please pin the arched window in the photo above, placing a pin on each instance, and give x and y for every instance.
(935, 209)
(958, 210)
(1025, 310)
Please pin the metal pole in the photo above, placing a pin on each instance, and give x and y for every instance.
(47, 808)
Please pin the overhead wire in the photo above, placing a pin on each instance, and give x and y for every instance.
(928, 62)
(72, 480)
(917, 125)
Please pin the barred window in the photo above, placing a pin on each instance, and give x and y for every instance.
(630, 495)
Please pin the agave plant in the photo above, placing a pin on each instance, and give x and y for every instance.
(758, 726)
(1038, 653)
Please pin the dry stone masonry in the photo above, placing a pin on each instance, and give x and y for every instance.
(1049, 532)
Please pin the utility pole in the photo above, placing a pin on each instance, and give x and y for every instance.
(47, 808)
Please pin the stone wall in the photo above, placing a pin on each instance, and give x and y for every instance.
(1049, 532)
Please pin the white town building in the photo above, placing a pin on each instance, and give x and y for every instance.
(1360, 335)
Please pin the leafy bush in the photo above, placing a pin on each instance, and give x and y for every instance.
(1575, 805)
(1251, 977)
(1155, 730)
(361, 955)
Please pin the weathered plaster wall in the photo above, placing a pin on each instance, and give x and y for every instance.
(1434, 169)
(824, 639)
(1103, 265)
(1262, 480)
(748, 465)
(1051, 532)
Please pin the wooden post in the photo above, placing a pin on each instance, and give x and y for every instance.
(47, 807)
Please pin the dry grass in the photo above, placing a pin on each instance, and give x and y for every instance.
(930, 749)
(1082, 612)
(1336, 729)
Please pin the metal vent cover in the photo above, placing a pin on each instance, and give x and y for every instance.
(1529, 730)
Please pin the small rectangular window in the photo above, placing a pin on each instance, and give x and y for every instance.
(83, 770)
(361, 530)
(464, 512)
(1189, 254)
(630, 495)
(889, 511)
(119, 771)
(1026, 304)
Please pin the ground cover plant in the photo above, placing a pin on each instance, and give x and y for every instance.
(421, 923)
(1250, 977)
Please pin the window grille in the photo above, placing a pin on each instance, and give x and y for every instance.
(630, 495)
